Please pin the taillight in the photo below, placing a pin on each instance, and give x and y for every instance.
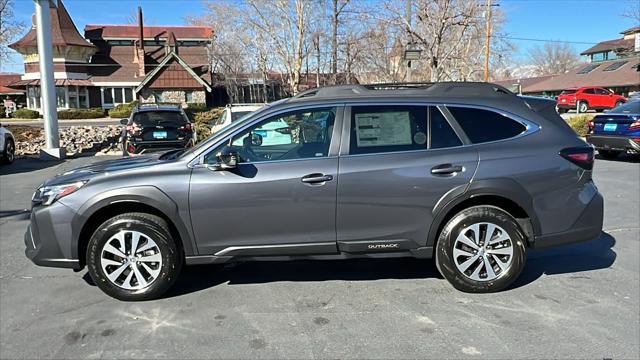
(591, 125)
(635, 125)
(133, 128)
(186, 127)
(581, 156)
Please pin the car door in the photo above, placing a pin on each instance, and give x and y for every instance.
(605, 98)
(396, 163)
(281, 197)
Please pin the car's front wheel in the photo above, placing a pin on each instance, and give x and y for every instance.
(481, 249)
(133, 257)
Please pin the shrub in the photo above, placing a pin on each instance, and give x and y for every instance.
(580, 123)
(122, 110)
(203, 117)
(93, 113)
(25, 114)
(197, 106)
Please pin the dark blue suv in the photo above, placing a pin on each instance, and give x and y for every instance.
(616, 131)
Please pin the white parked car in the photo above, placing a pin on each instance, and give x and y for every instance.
(232, 113)
(7, 145)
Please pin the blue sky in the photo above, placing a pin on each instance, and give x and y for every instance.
(584, 22)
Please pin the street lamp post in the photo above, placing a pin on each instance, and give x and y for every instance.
(52, 148)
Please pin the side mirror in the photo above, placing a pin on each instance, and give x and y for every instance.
(124, 121)
(227, 159)
(256, 139)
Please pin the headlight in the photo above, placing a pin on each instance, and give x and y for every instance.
(46, 195)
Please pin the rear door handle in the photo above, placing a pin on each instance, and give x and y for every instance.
(316, 178)
(446, 169)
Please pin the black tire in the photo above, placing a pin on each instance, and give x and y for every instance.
(609, 154)
(473, 215)
(9, 151)
(561, 110)
(150, 225)
(583, 107)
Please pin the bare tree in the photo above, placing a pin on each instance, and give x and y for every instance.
(10, 28)
(553, 58)
(633, 13)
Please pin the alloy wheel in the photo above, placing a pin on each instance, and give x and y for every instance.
(131, 260)
(483, 251)
(10, 152)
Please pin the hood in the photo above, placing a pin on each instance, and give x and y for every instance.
(103, 167)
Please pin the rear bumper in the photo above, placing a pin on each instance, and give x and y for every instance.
(605, 142)
(587, 227)
(566, 106)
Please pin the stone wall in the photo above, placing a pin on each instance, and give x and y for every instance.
(173, 96)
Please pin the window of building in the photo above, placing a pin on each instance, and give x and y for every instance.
(188, 96)
(616, 65)
(303, 134)
(601, 56)
(484, 126)
(587, 69)
(112, 96)
(73, 96)
(61, 97)
(33, 97)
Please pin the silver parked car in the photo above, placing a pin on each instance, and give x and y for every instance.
(466, 173)
(7, 145)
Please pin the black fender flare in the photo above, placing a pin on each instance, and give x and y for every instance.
(501, 187)
(146, 194)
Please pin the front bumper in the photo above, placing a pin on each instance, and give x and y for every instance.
(49, 237)
(621, 143)
(587, 227)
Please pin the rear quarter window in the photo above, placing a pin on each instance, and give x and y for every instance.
(484, 125)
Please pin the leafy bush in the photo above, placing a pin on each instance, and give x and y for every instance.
(203, 117)
(580, 123)
(2, 114)
(122, 110)
(197, 106)
(93, 113)
(25, 114)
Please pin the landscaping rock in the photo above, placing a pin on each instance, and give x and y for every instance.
(75, 139)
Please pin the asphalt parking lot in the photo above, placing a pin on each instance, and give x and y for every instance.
(578, 301)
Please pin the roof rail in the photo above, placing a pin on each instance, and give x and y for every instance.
(158, 104)
(451, 88)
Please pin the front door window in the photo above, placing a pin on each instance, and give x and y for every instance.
(294, 135)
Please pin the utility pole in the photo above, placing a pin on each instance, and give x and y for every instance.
(409, 38)
(47, 81)
(317, 44)
(487, 45)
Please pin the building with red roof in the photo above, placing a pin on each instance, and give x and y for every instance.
(116, 64)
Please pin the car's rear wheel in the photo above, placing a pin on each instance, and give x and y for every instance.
(9, 151)
(609, 154)
(583, 107)
(133, 257)
(481, 249)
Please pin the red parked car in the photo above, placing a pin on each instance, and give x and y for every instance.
(588, 97)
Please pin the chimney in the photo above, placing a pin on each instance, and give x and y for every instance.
(139, 48)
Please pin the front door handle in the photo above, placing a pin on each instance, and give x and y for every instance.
(446, 169)
(316, 178)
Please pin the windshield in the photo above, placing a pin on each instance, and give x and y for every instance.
(631, 107)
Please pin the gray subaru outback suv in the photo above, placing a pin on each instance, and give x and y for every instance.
(468, 173)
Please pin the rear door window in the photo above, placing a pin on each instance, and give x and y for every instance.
(395, 128)
(484, 125)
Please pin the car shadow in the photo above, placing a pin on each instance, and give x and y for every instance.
(574, 258)
(629, 158)
(25, 164)
(196, 278)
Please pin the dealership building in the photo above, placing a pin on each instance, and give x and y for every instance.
(116, 64)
